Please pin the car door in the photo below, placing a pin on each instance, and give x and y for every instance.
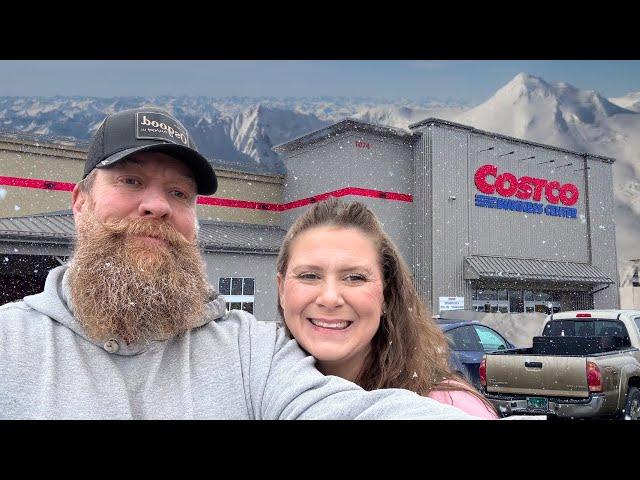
(468, 350)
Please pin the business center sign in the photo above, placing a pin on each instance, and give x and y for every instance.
(560, 197)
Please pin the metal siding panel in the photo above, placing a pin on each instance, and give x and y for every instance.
(422, 238)
(450, 153)
(603, 238)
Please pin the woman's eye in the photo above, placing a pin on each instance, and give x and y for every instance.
(179, 194)
(308, 276)
(356, 278)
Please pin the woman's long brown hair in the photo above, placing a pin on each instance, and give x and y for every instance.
(409, 350)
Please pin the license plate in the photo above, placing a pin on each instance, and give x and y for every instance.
(537, 403)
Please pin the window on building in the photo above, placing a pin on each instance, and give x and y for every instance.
(239, 292)
(516, 303)
(542, 301)
(503, 301)
(491, 300)
(485, 300)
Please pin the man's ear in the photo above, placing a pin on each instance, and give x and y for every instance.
(78, 199)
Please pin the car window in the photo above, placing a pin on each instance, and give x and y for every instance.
(585, 328)
(637, 320)
(561, 328)
(489, 339)
(464, 339)
(610, 328)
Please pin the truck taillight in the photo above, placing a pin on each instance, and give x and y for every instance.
(483, 372)
(594, 378)
(583, 315)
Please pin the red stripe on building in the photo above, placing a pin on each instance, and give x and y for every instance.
(232, 202)
(34, 183)
(229, 202)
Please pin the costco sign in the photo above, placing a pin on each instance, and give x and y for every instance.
(559, 196)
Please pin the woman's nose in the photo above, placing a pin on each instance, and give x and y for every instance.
(330, 295)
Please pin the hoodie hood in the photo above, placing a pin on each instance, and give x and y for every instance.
(55, 302)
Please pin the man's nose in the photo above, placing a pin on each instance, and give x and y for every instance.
(154, 204)
(331, 294)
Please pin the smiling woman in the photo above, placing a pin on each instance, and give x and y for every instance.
(347, 297)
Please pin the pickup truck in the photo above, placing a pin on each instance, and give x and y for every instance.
(585, 364)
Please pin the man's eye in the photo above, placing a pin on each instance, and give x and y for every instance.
(131, 181)
(179, 194)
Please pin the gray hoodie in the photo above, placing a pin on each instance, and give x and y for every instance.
(229, 367)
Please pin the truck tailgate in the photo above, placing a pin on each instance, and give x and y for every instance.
(542, 375)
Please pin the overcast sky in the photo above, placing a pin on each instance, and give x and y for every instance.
(470, 81)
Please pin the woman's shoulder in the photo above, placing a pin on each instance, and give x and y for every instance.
(464, 400)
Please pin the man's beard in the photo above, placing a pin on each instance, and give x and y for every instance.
(139, 292)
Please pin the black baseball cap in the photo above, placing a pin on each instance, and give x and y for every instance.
(148, 129)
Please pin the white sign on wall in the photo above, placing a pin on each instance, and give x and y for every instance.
(451, 303)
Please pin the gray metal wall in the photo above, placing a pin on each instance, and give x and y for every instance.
(442, 157)
(260, 267)
(527, 235)
(602, 230)
(337, 163)
(422, 241)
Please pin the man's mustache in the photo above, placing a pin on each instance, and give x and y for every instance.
(154, 228)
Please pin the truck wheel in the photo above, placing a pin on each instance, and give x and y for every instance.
(632, 405)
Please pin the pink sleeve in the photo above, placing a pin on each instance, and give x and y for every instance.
(465, 401)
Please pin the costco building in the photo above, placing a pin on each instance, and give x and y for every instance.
(486, 222)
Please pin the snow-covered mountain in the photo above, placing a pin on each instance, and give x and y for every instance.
(630, 101)
(234, 131)
(559, 114)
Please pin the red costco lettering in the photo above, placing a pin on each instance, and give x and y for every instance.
(565, 190)
(506, 184)
(361, 144)
(506, 179)
(548, 192)
(480, 178)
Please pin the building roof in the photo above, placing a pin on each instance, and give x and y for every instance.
(347, 125)
(485, 267)
(241, 237)
(439, 121)
(59, 228)
(42, 140)
(358, 125)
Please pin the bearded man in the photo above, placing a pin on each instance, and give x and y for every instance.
(130, 329)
